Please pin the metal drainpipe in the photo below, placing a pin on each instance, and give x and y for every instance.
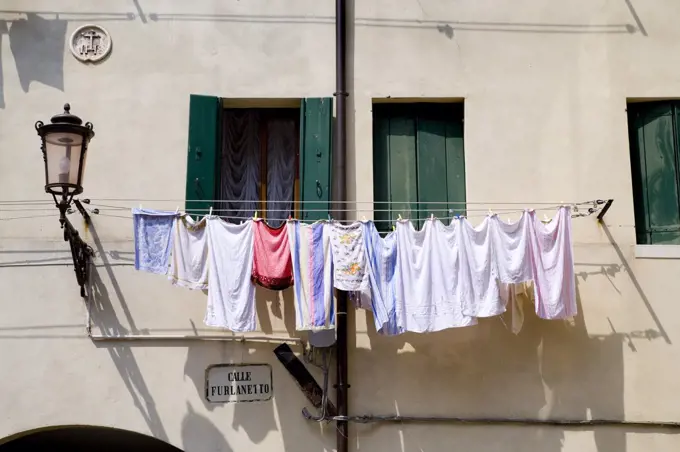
(342, 440)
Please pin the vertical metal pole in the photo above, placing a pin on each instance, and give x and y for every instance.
(342, 440)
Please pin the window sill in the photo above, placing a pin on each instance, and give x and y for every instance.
(657, 251)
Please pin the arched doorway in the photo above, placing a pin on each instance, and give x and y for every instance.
(84, 438)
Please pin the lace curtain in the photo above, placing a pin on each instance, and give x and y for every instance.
(241, 159)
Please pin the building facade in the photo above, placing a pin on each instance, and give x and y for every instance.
(486, 103)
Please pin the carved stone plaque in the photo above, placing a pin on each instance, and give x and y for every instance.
(90, 43)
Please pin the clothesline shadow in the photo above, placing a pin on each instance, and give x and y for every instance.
(551, 369)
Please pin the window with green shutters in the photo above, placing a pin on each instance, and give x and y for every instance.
(418, 162)
(209, 134)
(655, 165)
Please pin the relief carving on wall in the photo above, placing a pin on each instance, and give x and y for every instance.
(90, 43)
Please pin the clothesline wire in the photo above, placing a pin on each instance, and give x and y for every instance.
(337, 221)
(142, 200)
(378, 220)
(103, 207)
(28, 216)
(94, 201)
(595, 206)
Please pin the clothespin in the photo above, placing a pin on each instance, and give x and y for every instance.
(140, 206)
(289, 217)
(394, 228)
(490, 213)
(363, 218)
(329, 218)
(255, 215)
(210, 213)
(546, 219)
(431, 217)
(177, 210)
(399, 217)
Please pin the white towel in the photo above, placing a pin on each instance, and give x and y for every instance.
(426, 288)
(231, 293)
(495, 254)
(553, 266)
(189, 260)
(478, 288)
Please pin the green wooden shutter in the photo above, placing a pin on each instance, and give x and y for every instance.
(394, 164)
(204, 113)
(316, 142)
(440, 160)
(654, 161)
(381, 174)
(418, 161)
(455, 163)
(432, 163)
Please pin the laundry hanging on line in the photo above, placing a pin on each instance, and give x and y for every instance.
(272, 265)
(231, 292)
(152, 231)
(313, 274)
(438, 277)
(189, 258)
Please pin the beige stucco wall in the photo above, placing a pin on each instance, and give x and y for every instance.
(545, 86)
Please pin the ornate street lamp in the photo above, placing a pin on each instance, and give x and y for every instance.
(64, 147)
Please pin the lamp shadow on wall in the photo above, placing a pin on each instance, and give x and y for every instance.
(103, 317)
(550, 370)
(105, 320)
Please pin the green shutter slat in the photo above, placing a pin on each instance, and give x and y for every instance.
(432, 166)
(655, 156)
(455, 166)
(202, 152)
(381, 179)
(637, 170)
(316, 122)
(402, 167)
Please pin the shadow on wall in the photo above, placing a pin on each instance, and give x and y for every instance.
(199, 434)
(104, 318)
(258, 420)
(550, 370)
(37, 45)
